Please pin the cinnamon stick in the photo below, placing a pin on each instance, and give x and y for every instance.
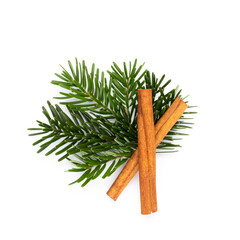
(147, 152)
(162, 127)
(144, 179)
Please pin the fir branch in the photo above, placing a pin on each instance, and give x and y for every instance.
(98, 133)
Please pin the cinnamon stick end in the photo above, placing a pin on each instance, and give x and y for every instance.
(145, 213)
(154, 210)
(112, 195)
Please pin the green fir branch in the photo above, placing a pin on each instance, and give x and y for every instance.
(98, 132)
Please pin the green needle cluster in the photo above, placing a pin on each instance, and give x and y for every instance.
(97, 132)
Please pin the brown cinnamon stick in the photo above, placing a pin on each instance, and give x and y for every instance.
(162, 127)
(147, 153)
(144, 178)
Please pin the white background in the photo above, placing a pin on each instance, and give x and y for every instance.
(196, 44)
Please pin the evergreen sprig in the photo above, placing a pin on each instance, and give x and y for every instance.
(98, 130)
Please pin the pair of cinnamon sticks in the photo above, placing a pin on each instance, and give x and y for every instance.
(143, 159)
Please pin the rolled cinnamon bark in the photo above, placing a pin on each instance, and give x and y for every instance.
(162, 127)
(147, 152)
(145, 158)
